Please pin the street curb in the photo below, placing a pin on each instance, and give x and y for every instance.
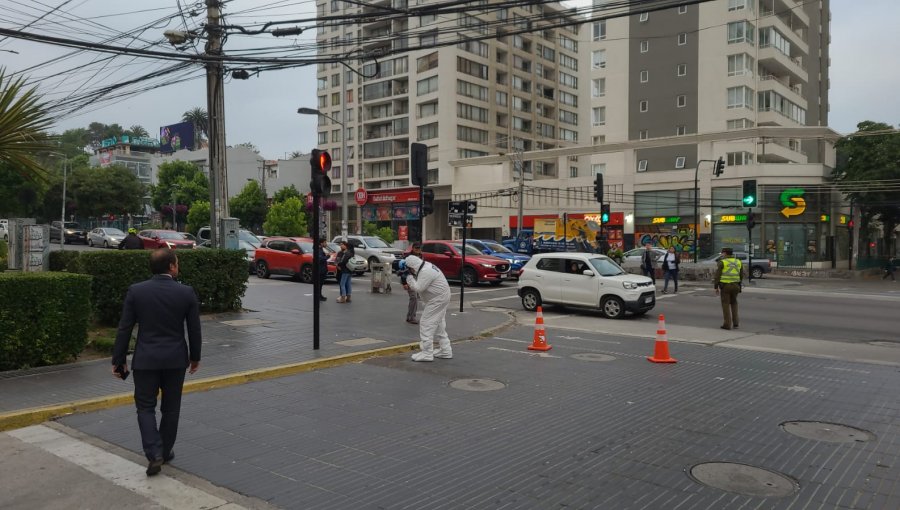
(32, 416)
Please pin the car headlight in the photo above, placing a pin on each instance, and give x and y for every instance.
(70, 232)
(629, 285)
(487, 265)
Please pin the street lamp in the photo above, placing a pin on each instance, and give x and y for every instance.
(344, 156)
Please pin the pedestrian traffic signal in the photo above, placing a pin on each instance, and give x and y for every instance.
(720, 167)
(427, 201)
(418, 164)
(749, 193)
(598, 188)
(604, 214)
(320, 164)
(751, 220)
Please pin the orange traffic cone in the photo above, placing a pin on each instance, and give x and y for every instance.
(661, 354)
(540, 336)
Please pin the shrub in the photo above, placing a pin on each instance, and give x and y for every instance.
(218, 276)
(3, 255)
(43, 318)
(60, 260)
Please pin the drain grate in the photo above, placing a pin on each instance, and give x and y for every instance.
(744, 479)
(593, 356)
(828, 432)
(477, 384)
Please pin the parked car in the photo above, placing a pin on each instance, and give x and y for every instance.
(634, 256)
(585, 280)
(248, 248)
(171, 239)
(372, 248)
(516, 260)
(357, 264)
(447, 256)
(758, 268)
(70, 231)
(4, 230)
(291, 256)
(105, 237)
(243, 235)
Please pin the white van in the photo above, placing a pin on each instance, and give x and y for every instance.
(372, 248)
(584, 280)
(4, 230)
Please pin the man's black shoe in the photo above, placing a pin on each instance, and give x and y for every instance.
(724, 327)
(323, 298)
(154, 467)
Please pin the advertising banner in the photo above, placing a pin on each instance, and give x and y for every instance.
(176, 137)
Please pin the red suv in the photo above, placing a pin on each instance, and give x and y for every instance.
(292, 256)
(171, 239)
(447, 256)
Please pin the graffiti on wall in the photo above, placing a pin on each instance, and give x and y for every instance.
(683, 242)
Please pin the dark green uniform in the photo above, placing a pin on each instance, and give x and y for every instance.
(729, 275)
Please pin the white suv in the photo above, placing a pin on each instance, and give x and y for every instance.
(586, 280)
(372, 248)
(4, 230)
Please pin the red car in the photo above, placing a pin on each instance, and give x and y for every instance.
(291, 256)
(447, 256)
(171, 239)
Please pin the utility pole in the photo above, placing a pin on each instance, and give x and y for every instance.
(215, 104)
(345, 156)
(62, 226)
(517, 160)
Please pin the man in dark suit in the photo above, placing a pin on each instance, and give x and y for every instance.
(161, 306)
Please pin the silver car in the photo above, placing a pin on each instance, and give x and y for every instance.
(105, 237)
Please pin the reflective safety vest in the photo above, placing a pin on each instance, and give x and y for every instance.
(731, 270)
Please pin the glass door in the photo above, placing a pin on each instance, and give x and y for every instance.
(791, 245)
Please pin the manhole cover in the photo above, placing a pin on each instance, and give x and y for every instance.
(744, 479)
(477, 384)
(828, 432)
(593, 356)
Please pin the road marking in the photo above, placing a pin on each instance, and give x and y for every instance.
(667, 296)
(493, 299)
(532, 354)
(161, 489)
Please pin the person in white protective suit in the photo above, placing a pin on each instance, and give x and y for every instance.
(429, 283)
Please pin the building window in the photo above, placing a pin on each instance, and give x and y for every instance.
(737, 5)
(645, 76)
(645, 16)
(323, 138)
(321, 83)
(598, 59)
(502, 98)
(568, 80)
(568, 135)
(740, 31)
(642, 165)
(680, 130)
(600, 30)
(740, 65)
(682, 39)
(681, 70)
(468, 134)
(739, 158)
(598, 116)
(573, 171)
(739, 124)
(679, 162)
(568, 117)
(471, 68)
(598, 87)
(597, 140)
(681, 101)
(643, 134)
(644, 106)
(427, 62)
(472, 90)
(427, 86)
(598, 169)
(645, 46)
(740, 97)
(470, 112)
(682, 9)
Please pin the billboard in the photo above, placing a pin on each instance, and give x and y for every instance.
(176, 137)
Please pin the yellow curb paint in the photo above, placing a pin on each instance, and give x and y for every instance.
(35, 415)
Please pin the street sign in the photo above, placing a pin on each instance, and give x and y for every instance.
(456, 207)
(362, 196)
(464, 206)
(456, 220)
(472, 206)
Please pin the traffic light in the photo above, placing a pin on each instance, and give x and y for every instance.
(320, 164)
(720, 167)
(418, 164)
(427, 201)
(604, 214)
(749, 193)
(598, 187)
(751, 221)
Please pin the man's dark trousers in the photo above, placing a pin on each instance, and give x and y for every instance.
(729, 293)
(158, 443)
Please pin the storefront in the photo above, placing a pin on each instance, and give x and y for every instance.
(397, 209)
(665, 219)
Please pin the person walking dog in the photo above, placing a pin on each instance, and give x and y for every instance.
(161, 306)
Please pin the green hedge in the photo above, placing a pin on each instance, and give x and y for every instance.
(60, 260)
(44, 318)
(3, 255)
(218, 276)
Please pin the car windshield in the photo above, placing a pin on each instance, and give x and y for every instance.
(70, 224)
(470, 250)
(244, 245)
(499, 248)
(248, 237)
(375, 242)
(189, 237)
(114, 232)
(306, 247)
(606, 267)
(170, 235)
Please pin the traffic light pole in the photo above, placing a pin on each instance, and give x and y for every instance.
(462, 271)
(422, 212)
(750, 245)
(317, 263)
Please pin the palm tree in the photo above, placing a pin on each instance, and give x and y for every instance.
(200, 119)
(137, 130)
(24, 120)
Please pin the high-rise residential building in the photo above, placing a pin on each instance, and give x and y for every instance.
(440, 82)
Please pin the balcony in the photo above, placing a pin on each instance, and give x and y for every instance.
(782, 86)
(781, 151)
(797, 40)
(781, 64)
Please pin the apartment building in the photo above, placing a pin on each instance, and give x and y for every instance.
(438, 82)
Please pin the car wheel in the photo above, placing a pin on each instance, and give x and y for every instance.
(373, 260)
(612, 307)
(306, 275)
(469, 277)
(757, 272)
(262, 269)
(90, 242)
(106, 244)
(531, 299)
(359, 273)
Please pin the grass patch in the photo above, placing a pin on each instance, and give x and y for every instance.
(101, 340)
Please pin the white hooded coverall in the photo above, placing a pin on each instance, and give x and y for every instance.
(432, 287)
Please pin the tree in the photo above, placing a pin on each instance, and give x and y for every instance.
(18, 195)
(370, 228)
(98, 131)
(200, 119)
(249, 145)
(24, 119)
(297, 154)
(286, 193)
(198, 216)
(286, 219)
(250, 206)
(180, 179)
(137, 130)
(106, 190)
(866, 160)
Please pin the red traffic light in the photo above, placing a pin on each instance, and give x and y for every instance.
(320, 161)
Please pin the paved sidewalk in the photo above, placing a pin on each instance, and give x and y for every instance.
(589, 424)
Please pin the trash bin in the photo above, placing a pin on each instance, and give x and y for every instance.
(381, 279)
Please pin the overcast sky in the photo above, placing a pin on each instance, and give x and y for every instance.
(865, 76)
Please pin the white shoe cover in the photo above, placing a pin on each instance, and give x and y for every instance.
(422, 356)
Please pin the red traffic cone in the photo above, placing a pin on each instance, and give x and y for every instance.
(661, 352)
(540, 336)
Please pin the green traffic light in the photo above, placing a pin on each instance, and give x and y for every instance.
(750, 201)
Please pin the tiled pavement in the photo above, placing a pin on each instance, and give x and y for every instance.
(620, 434)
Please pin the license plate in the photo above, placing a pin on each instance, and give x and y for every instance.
(503, 275)
(648, 299)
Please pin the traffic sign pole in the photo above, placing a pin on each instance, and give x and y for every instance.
(462, 271)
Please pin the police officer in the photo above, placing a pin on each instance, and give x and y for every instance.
(728, 279)
(131, 241)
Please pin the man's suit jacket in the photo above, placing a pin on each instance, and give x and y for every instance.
(647, 260)
(161, 306)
